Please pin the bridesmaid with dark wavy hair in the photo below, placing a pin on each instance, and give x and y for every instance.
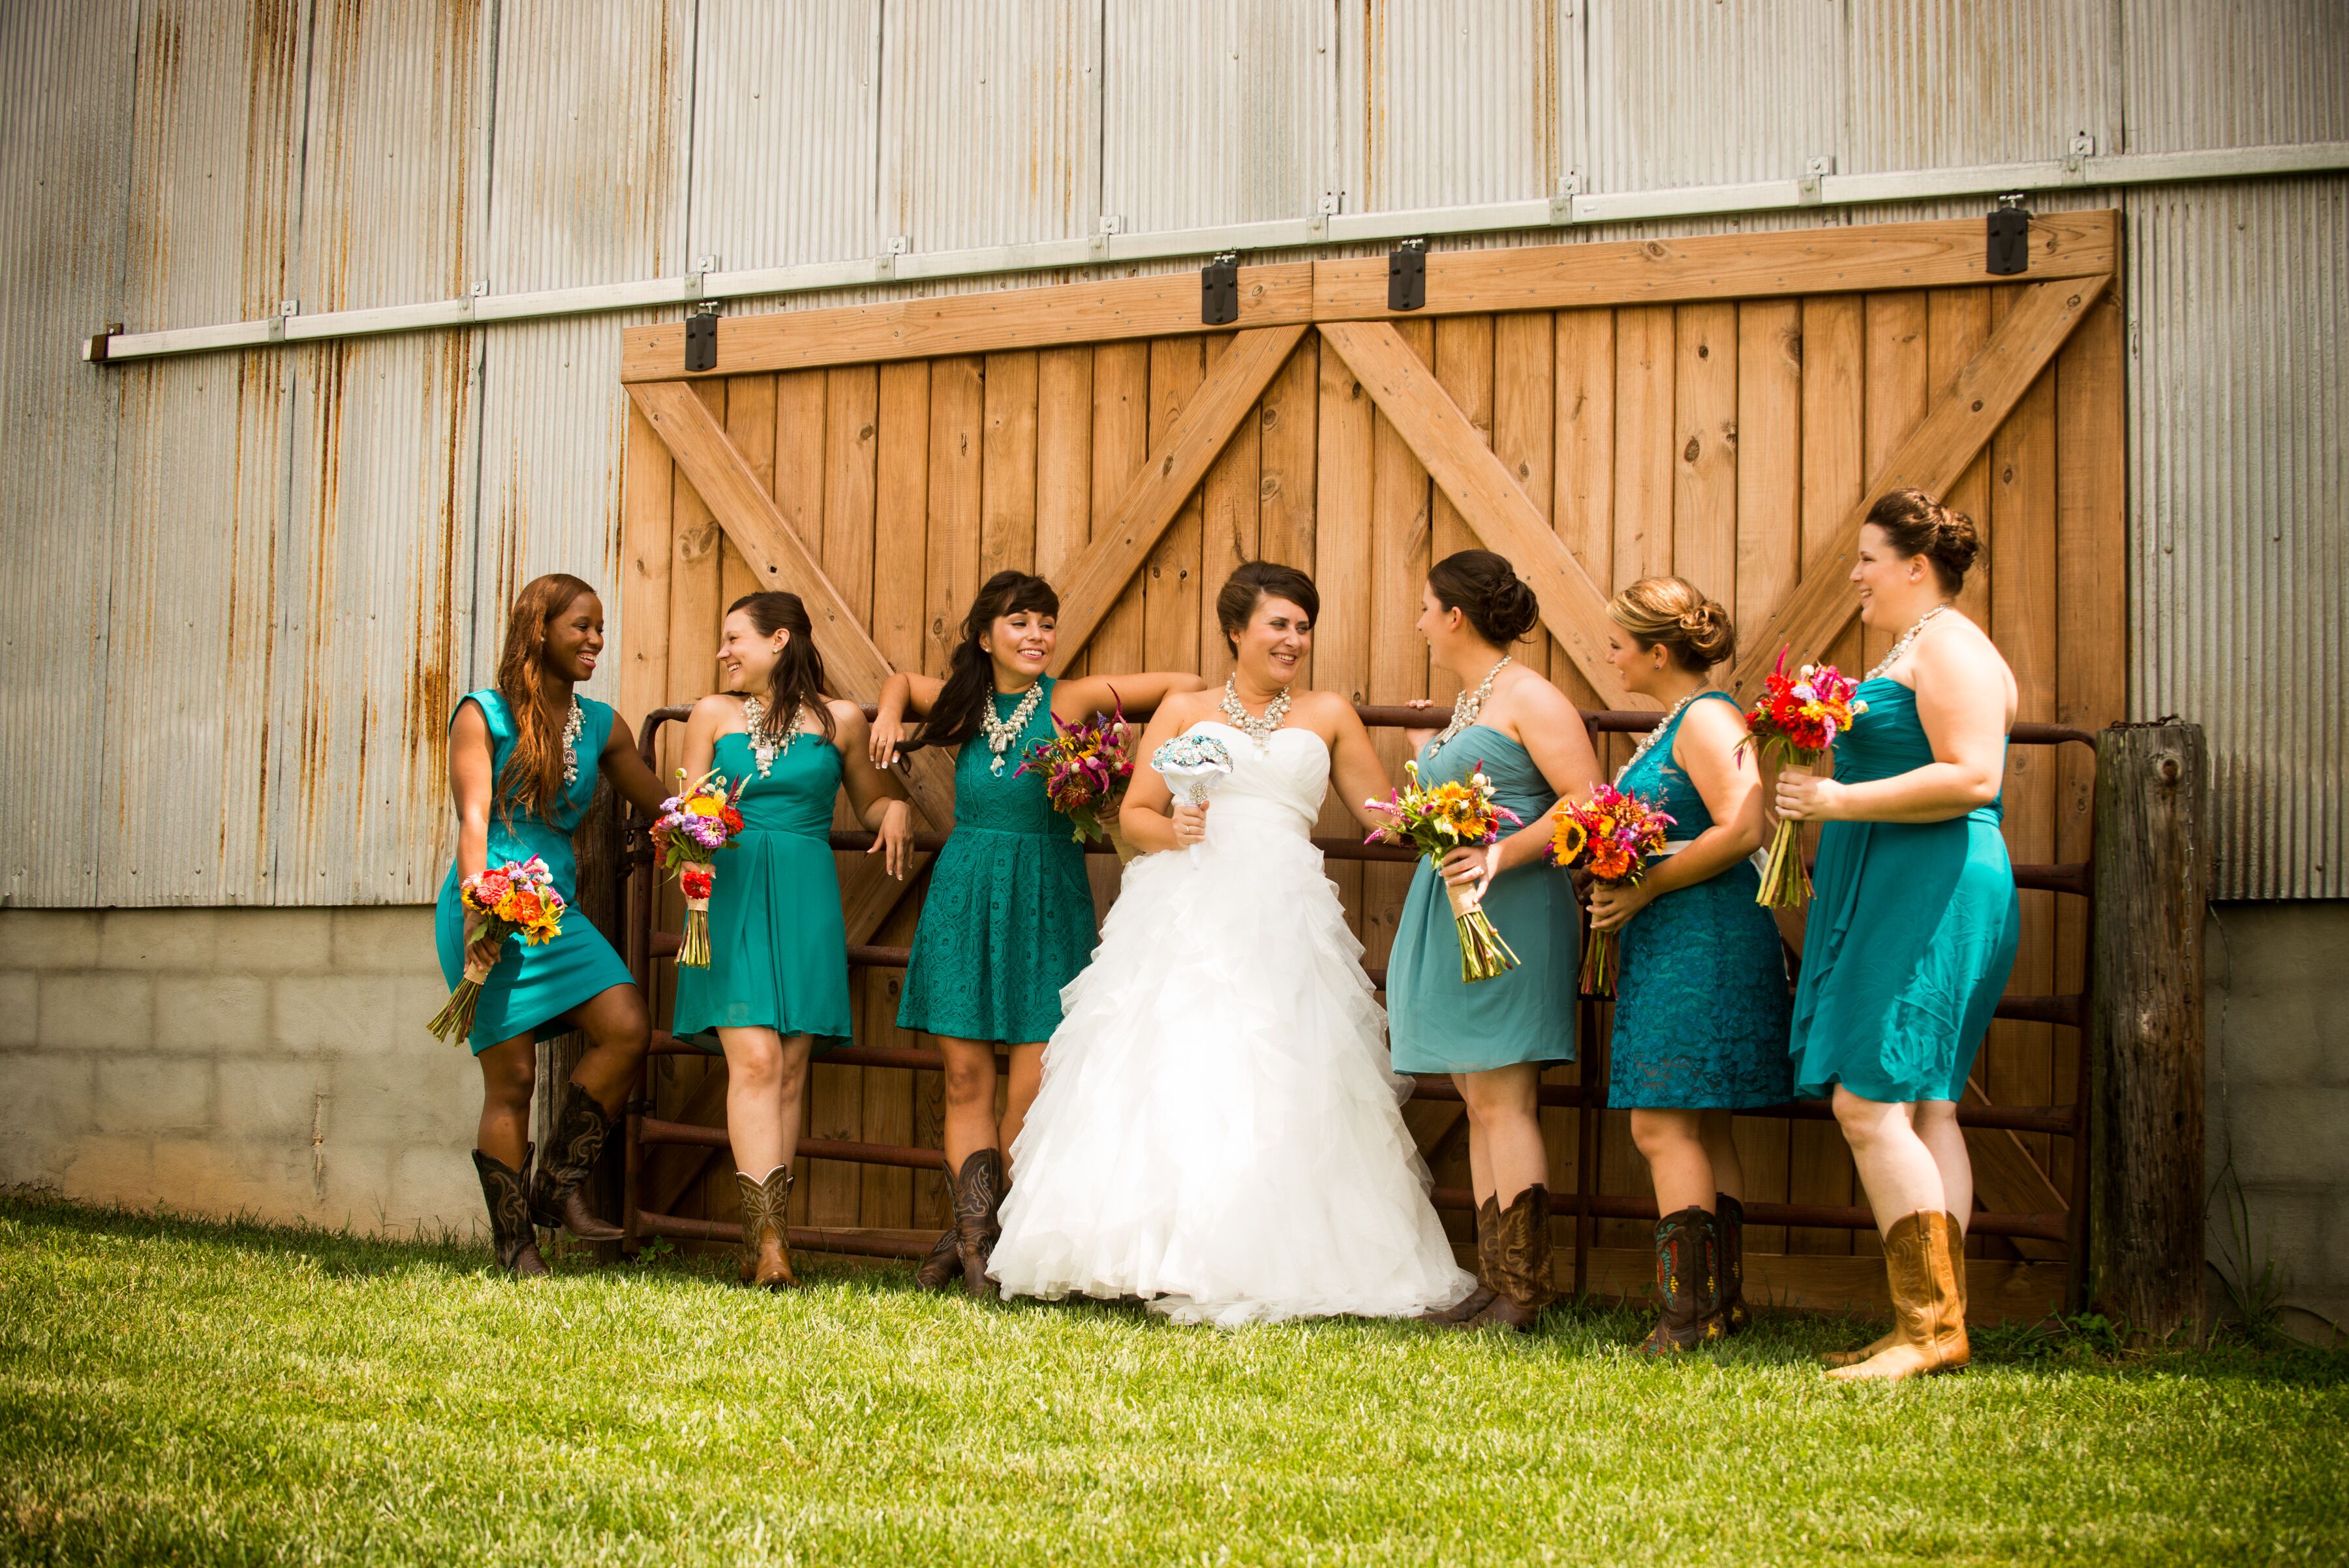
(523, 755)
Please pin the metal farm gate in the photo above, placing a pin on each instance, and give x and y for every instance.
(1722, 407)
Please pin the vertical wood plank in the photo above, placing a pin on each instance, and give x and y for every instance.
(1227, 523)
(644, 549)
(1170, 597)
(1342, 638)
(1584, 492)
(958, 393)
(1899, 336)
(1644, 448)
(1958, 325)
(1064, 452)
(1704, 448)
(1400, 523)
(1007, 479)
(1285, 458)
(1121, 446)
(852, 448)
(1525, 429)
(797, 482)
(1464, 368)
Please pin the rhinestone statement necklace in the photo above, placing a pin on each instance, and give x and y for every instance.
(766, 744)
(1663, 727)
(1258, 730)
(571, 728)
(1892, 655)
(1001, 733)
(1465, 706)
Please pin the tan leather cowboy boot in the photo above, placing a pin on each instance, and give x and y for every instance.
(1922, 1255)
(766, 1237)
(1854, 1357)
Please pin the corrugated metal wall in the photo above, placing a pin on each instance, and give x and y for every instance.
(244, 589)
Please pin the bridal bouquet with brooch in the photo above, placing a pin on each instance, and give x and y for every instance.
(1191, 764)
(499, 900)
(696, 822)
(1795, 720)
(1435, 820)
(1612, 835)
(1085, 767)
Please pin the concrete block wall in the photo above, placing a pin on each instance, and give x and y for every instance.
(221, 1060)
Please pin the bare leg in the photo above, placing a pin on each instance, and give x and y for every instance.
(1895, 1165)
(619, 1032)
(1938, 1130)
(1677, 1161)
(1721, 1148)
(1480, 1155)
(509, 1071)
(766, 1077)
(970, 1124)
(1505, 1126)
(1027, 1078)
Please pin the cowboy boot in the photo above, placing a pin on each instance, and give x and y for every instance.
(1488, 1232)
(1922, 1256)
(1729, 1231)
(1876, 1346)
(505, 1189)
(977, 1196)
(766, 1240)
(1688, 1279)
(558, 1200)
(1522, 1282)
(937, 1271)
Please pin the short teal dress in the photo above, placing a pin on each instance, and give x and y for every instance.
(1911, 934)
(530, 989)
(1009, 917)
(1437, 1024)
(777, 948)
(1701, 1001)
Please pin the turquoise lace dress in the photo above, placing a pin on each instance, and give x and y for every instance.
(530, 989)
(1700, 999)
(1008, 918)
(1911, 935)
(1437, 1024)
(778, 952)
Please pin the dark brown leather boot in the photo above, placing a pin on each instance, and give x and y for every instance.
(1688, 1279)
(938, 1270)
(558, 1200)
(766, 1235)
(978, 1198)
(512, 1238)
(1729, 1229)
(1489, 1231)
(1522, 1283)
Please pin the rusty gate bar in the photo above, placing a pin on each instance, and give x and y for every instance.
(1587, 1206)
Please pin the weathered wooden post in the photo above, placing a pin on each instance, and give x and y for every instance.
(2144, 1038)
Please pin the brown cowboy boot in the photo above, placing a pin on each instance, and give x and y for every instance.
(1488, 1232)
(977, 1196)
(1688, 1278)
(1922, 1255)
(512, 1238)
(1876, 1347)
(1729, 1231)
(766, 1239)
(557, 1199)
(1522, 1282)
(937, 1271)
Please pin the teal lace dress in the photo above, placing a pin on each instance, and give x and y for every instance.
(1008, 918)
(1701, 995)
(1437, 1024)
(1911, 935)
(778, 947)
(530, 989)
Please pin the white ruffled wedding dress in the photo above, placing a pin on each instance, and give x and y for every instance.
(1218, 1129)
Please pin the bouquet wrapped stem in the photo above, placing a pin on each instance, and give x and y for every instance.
(696, 822)
(1612, 835)
(1483, 953)
(1436, 819)
(499, 901)
(1794, 721)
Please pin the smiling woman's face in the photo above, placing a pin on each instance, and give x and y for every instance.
(1271, 648)
(574, 640)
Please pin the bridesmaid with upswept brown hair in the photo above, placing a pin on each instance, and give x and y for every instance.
(523, 755)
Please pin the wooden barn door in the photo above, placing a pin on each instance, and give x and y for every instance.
(1722, 409)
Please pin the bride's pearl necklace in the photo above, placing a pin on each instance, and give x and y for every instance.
(1002, 732)
(767, 744)
(1892, 655)
(1258, 730)
(1663, 727)
(1465, 706)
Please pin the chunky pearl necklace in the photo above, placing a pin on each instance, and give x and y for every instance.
(1649, 742)
(1002, 732)
(1901, 647)
(1258, 730)
(1465, 706)
(571, 728)
(766, 745)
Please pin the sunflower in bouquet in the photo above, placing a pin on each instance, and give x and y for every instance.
(499, 901)
(1610, 835)
(1795, 720)
(1435, 820)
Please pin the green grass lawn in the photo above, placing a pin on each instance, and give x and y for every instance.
(208, 1392)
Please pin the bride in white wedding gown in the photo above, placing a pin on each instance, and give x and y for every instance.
(1219, 1129)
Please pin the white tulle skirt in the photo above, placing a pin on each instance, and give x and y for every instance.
(1219, 1129)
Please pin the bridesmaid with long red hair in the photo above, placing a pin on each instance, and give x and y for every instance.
(523, 755)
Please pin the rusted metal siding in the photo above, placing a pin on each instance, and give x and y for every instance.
(1706, 94)
(1447, 102)
(2240, 482)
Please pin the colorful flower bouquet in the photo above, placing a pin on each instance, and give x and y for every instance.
(1612, 835)
(518, 896)
(696, 822)
(1435, 820)
(1085, 767)
(1795, 720)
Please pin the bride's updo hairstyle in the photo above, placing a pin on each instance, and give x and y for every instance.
(1669, 610)
(1485, 588)
(1914, 524)
(1255, 582)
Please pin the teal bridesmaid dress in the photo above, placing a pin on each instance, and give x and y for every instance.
(1436, 1023)
(1912, 933)
(1700, 1002)
(778, 950)
(531, 988)
(1009, 917)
